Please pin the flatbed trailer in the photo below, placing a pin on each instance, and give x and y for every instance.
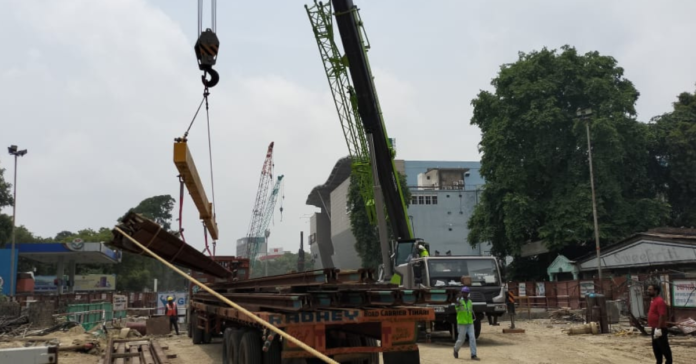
(342, 314)
(346, 335)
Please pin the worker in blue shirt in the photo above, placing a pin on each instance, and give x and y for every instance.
(465, 323)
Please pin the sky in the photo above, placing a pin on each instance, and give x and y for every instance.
(97, 90)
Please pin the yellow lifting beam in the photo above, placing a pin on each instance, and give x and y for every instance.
(187, 169)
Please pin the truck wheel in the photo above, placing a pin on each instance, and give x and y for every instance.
(225, 344)
(272, 356)
(233, 344)
(373, 358)
(207, 337)
(197, 335)
(250, 348)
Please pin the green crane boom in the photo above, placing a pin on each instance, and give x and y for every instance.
(336, 69)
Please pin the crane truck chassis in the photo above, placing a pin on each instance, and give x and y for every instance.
(344, 314)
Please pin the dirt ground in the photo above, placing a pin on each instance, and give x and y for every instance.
(542, 343)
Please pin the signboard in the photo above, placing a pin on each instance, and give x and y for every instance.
(87, 282)
(120, 302)
(523, 289)
(684, 293)
(586, 287)
(180, 298)
(5, 274)
(541, 289)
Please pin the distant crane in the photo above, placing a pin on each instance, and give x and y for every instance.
(268, 217)
(262, 212)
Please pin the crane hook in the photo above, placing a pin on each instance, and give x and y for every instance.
(214, 77)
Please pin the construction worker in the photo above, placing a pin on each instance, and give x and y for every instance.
(172, 314)
(657, 319)
(465, 323)
(423, 251)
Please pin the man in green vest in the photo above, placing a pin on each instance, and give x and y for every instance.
(465, 323)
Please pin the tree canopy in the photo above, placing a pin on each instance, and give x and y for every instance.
(535, 159)
(366, 235)
(674, 152)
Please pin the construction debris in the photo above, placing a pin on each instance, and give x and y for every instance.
(566, 314)
(687, 326)
(13, 326)
(145, 350)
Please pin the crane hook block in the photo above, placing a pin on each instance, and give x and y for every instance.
(206, 49)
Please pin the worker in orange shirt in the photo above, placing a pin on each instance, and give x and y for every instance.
(172, 313)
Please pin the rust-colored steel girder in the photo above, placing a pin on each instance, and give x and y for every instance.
(164, 244)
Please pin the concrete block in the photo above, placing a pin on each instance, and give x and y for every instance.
(157, 325)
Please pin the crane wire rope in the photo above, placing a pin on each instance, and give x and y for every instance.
(206, 52)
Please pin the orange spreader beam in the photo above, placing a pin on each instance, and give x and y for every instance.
(187, 169)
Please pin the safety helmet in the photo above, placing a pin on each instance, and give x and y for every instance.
(170, 298)
(465, 289)
(421, 247)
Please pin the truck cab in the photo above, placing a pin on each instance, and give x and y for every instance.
(480, 273)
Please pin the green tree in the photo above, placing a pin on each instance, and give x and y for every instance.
(135, 272)
(535, 158)
(366, 235)
(157, 209)
(5, 200)
(674, 152)
(62, 235)
(140, 271)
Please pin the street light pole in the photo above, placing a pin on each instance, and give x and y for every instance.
(585, 115)
(13, 276)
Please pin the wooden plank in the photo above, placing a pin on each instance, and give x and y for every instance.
(120, 349)
(118, 356)
(159, 353)
(136, 359)
(109, 352)
(147, 355)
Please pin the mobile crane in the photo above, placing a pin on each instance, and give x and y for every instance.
(328, 314)
(401, 262)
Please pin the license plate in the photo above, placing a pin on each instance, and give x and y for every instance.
(500, 308)
(439, 309)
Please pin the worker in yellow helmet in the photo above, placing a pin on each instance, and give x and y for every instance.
(423, 251)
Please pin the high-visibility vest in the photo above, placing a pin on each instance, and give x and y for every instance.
(171, 309)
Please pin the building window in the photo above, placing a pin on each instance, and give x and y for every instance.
(414, 200)
(427, 200)
(434, 200)
(421, 200)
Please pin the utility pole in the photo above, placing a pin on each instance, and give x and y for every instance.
(13, 150)
(586, 115)
(300, 254)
